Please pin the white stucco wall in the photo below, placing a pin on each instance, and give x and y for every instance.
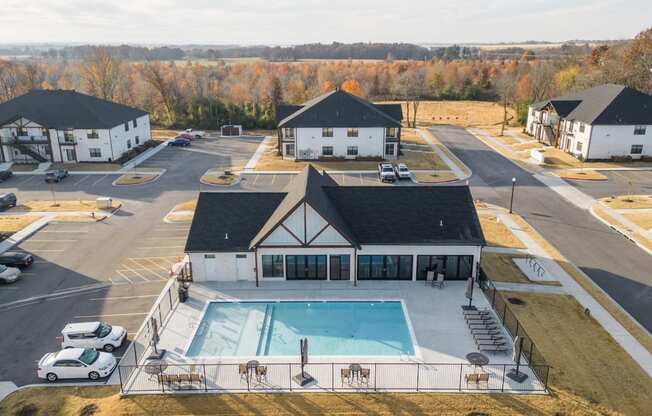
(223, 268)
(608, 141)
(370, 141)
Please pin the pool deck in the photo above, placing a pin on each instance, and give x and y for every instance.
(434, 316)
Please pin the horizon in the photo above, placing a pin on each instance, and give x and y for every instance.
(288, 23)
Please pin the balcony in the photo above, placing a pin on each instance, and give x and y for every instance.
(9, 140)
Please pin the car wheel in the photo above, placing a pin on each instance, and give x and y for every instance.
(93, 375)
(109, 348)
(51, 377)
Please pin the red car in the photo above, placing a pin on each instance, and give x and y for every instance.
(185, 136)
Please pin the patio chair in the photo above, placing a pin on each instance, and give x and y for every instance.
(498, 343)
(494, 331)
(183, 378)
(164, 379)
(483, 378)
(430, 277)
(243, 372)
(440, 280)
(261, 372)
(481, 318)
(494, 348)
(471, 378)
(482, 311)
(345, 373)
(196, 378)
(364, 375)
(489, 337)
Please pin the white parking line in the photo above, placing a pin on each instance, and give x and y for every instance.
(132, 271)
(158, 265)
(99, 180)
(27, 180)
(361, 181)
(273, 179)
(143, 269)
(81, 180)
(255, 179)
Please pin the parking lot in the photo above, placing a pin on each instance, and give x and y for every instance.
(618, 183)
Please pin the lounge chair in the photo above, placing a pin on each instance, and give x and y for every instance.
(486, 332)
(242, 370)
(440, 280)
(261, 372)
(471, 378)
(430, 277)
(480, 318)
(364, 375)
(484, 378)
(345, 373)
(482, 325)
(497, 343)
(488, 337)
(493, 348)
(483, 311)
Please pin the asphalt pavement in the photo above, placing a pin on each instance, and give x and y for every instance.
(618, 266)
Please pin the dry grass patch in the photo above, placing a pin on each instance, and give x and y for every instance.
(78, 218)
(498, 234)
(411, 136)
(259, 132)
(23, 167)
(528, 146)
(587, 361)
(434, 177)
(219, 178)
(628, 201)
(136, 178)
(582, 175)
(13, 224)
(500, 267)
(643, 220)
(179, 217)
(60, 206)
(164, 134)
(459, 113)
(186, 206)
(86, 166)
(105, 401)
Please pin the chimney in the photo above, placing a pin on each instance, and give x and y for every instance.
(441, 223)
(226, 236)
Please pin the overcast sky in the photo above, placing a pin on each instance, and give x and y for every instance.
(301, 21)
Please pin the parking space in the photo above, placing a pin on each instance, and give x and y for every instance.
(618, 183)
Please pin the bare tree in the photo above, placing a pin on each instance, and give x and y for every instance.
(505, 87)
(163, 80)
(9, 80)
(101, 73)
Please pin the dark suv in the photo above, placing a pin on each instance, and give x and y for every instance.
(16, 259)
(7, 201)
(5, 174)
(56, 175)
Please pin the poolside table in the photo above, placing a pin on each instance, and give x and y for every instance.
(355, 370)
(155, 367)
(477, 359)
(251, 367)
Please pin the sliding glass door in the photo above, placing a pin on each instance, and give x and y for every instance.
(305, 267)
(340, 267)
(385, 267)
(453, 267)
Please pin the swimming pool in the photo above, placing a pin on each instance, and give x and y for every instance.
(333, 328)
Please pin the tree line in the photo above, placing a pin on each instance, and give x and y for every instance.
(207, 94)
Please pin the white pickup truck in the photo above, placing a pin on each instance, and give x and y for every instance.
(386, 172)
(196, 134)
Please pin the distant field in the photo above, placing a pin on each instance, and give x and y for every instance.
(459, 113)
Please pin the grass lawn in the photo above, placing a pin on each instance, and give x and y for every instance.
(410, 136)
(416, 160)
(105, 401)
(59, 206)
(587, 361)
(434, 177)
(23, 167)
(582, 175)
(13, 224)
(459, 113)
(219, 178)
(136, 178)
(628, 201)
(164, 134)
(85, 166)
(634, 234)
(497, 234)
(500, 268)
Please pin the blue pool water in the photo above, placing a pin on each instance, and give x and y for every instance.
(274, 328)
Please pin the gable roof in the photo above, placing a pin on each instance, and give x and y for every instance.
(307, 186)
(338, 108)
(410, 215)
(607, 104)
(64, 109)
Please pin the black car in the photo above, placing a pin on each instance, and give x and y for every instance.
(56, 175)
(16, 259)
(5, 174)
(7, 201)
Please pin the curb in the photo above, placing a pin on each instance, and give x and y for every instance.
(154, 179)
(73, 291)
(618, 230)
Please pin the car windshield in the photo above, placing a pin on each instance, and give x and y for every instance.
(103, 330)
(387, 169)
(2, 268)
(89, 356)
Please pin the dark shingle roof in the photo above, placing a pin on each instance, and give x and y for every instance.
(340, 109)
(411, 215)
(607, 104)
(62, 109)
(238, 214)
(417, 215)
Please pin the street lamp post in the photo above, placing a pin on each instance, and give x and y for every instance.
(511, 199)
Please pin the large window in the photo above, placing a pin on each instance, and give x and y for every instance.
(92, 134)
(453, 267)
(68, 136)
(327, 132)
(273, 266)
(385, 267)
(95, 151)
(127, 126)
(639, 130)
(581, 127)
(352, 150)
(288, 133)
(578, 146)
(341, 267)
(135, 123)
(637, 149)
(327, 150)
(351, 132)
(389, 149)
(391, 131)
(305, 267)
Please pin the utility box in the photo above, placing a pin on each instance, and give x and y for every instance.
(104, 202)
(231, 130)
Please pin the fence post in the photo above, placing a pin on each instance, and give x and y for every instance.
(170, 295)
(417, 377)
(160, 317)
(290, 375)
(120, 377)
(502, 388)
(375, 373)
(135, 344)
(460, 385)
(332, 376)
(516, 328)
(529, 360)
(205, 385)
(547, 374)
(160, 367)
(493, 298)
(504, 313)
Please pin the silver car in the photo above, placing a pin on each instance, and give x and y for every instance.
(8, 274)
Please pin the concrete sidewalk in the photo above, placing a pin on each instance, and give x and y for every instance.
(426, 135)
(611, 325)
(251, 164)
(530, 288)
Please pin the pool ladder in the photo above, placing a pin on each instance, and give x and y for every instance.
(264, 331)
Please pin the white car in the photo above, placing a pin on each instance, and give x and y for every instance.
(76, 363)
(386, 172)
(197, 134)
(402, 171)
(96, 335)
(9, 274)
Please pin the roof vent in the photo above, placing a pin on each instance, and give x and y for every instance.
(441, 223)
(226, 236)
